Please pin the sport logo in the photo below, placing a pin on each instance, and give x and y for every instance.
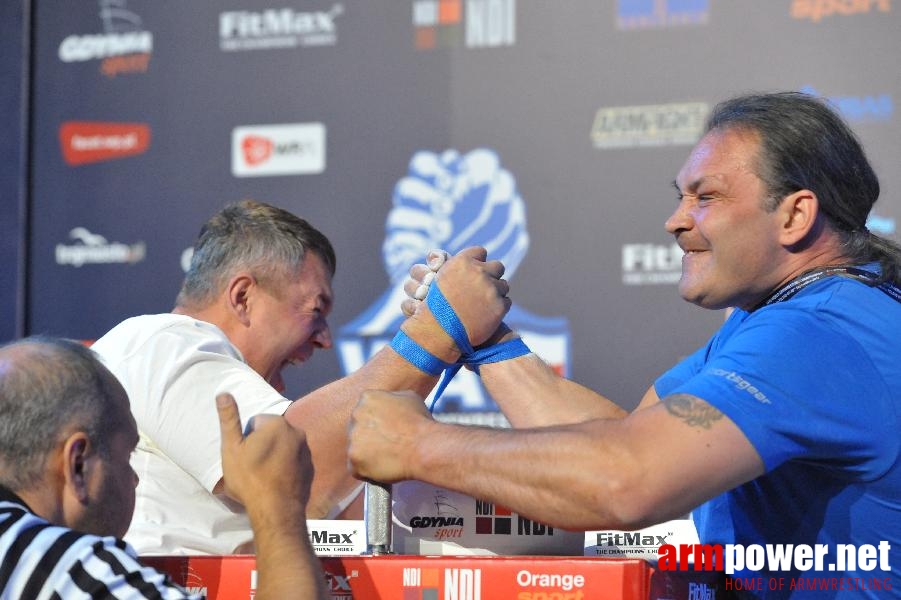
(286, 149)
(453, 201)
(446, 522)
(85, 142)
(483, 23)
(277, 28)
(645, 14)
(815, 10)
(123, 47)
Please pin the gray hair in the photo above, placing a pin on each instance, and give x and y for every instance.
(48, 388)
(805, 144)
(269, 241)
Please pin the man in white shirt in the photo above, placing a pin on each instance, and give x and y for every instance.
(255, 300)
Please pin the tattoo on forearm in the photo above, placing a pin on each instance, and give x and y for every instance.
(693, 411)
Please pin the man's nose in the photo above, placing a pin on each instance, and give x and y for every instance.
(680, 220)
(323, 337)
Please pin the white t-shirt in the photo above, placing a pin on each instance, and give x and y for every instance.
(172, 367)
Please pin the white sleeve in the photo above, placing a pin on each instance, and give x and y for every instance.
(182, 372)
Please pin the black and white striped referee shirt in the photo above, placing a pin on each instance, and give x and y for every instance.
(43, 561)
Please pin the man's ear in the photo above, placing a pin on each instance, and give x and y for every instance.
(77, 464)
(798, 214)
(240, 287)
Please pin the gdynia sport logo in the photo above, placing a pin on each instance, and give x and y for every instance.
(816, 567)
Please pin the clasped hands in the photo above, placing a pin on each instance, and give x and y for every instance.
(386, 428)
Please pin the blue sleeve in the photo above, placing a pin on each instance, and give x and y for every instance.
(694, 363)
(798, 388)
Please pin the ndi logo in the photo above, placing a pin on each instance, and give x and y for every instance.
(645, 14)
(426, 583)
(493, 519)
(477, 23)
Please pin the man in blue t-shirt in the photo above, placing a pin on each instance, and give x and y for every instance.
(782, 430)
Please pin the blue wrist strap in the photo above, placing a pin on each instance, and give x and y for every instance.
(496, 353)
(450, 323)
(491, 354)
(418, 356)
(448, 319)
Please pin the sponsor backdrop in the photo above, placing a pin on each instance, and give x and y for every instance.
(13, 73)
(548, 132)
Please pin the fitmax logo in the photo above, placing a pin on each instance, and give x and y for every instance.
(627, 538)
(324, 537)
(648, 264)
(339, 585)
(277, 28)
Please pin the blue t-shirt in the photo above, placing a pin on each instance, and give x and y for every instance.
(814, 383)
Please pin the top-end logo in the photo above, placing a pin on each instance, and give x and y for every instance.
(123, 47)
(651, 125)
(277, 28)
(87, 141)
(647, 14)
(475, 23)
(288, 149)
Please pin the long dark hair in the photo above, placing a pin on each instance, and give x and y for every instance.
(805, 144)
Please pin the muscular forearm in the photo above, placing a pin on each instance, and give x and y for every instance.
(531, 394)
(324, 413)
(656, 464)
(538, 473)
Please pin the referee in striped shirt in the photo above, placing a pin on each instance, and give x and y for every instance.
(67, 490)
